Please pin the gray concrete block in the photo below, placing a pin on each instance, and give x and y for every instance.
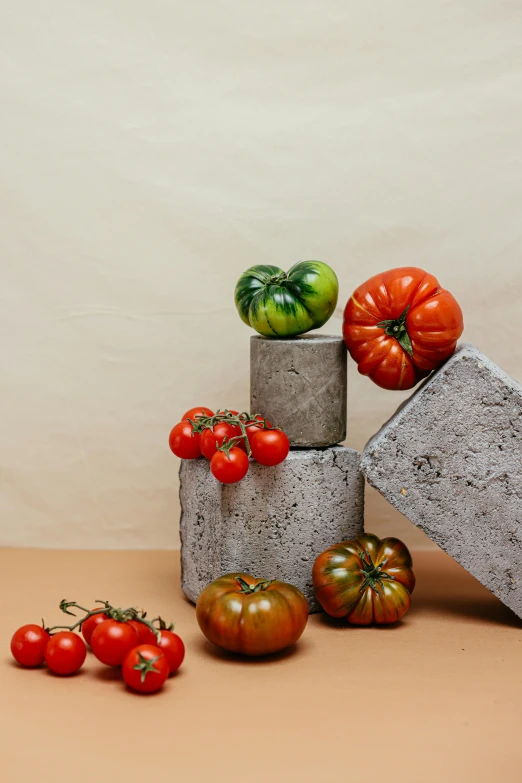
(300, 385)
(272, 524)
(450, 459)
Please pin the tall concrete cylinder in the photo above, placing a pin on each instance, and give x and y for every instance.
(300, 385)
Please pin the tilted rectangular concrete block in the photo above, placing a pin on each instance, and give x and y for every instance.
(450, 459)
(274, 523)
(300, 385)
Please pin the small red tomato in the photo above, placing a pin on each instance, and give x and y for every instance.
(270, 447)
(212, 438)
(28, 645)
(145, 668)
(194, 413)
(233, 413)
(173, 648)
(251, 430)
(90, 624)
(65, 652)
(144, 633)
(184, 442)
(231, 467)
(112, 640)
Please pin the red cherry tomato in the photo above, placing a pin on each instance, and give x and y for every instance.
(231, 467)
(193, 413)
(212, 438)
(90, 624)
(184, 442)
(145, 668)
(173, 648)
(144, 633)
(65, 652)
(28, 645)
(251, 430)
(112, 640)
(234, 413)
(270, 447)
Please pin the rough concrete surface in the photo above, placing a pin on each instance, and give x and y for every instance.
(300, 385)
(274, 523)
(450, 459)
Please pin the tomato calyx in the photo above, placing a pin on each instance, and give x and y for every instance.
(251, 589)
(396, 327)
(373, 574)
(146, 665)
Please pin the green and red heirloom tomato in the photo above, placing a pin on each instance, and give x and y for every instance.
(28, 645)
(184, 442)
(229, 466)
(367, 580)
(251, 616)
(400, 325)
(145, 668)
(65, 653)
(280, 304)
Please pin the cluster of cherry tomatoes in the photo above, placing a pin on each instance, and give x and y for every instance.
(228, 438)
(147, 651)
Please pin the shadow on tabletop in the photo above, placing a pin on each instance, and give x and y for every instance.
(294, 652)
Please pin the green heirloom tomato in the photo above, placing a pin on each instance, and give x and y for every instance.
(280, 304)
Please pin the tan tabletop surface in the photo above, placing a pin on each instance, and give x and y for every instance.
(437, 698)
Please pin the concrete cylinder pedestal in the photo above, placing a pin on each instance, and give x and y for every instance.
(274, 523)
(300, 385)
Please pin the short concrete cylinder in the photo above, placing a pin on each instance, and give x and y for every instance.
(300, 385)
(274, 523)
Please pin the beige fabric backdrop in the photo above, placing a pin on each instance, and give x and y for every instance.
(150, 152)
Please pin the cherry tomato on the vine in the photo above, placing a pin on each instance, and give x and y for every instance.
(269, 447)
(90, 624)
(251, 430)
(231, 467)
(184, 442)
(173, 648)
(194, 413)
(28, 645)
(145, 668)
(112, 640)
(144, 633)
(65, 652)
(212, 438)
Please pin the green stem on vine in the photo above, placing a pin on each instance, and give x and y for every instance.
(120, 615)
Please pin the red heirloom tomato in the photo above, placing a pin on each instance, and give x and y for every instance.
(212, 438)
(184, 442)
(400, 325)
(366, 580)
(90, 624)
(173, 648)
(194, 413)
(251, 616)
(28, 645)
(269, 447)
(145, 668)
(65, 652)
(229, 467)
(112, 640)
